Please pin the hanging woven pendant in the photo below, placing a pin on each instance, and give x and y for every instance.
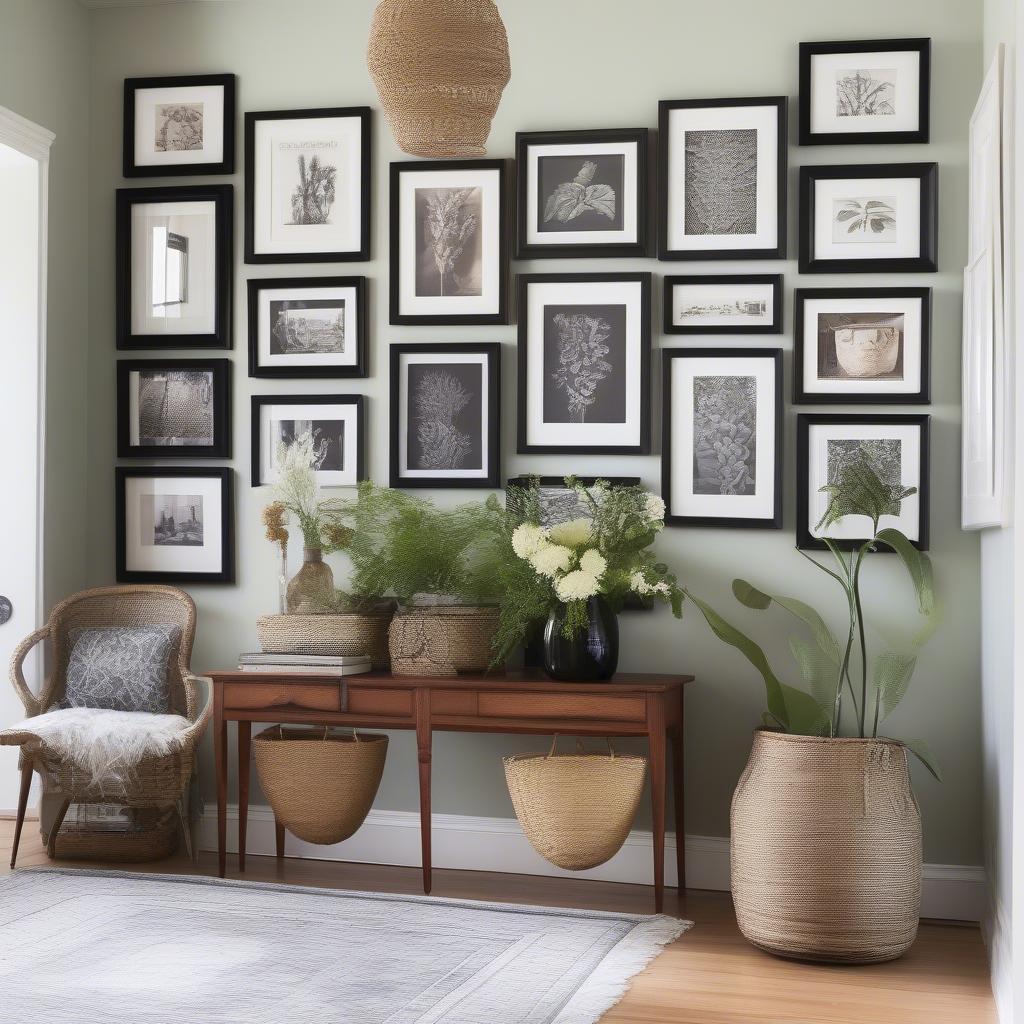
(440, 67)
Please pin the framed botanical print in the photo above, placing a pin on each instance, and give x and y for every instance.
(869, 218)
(174, 263)
(867, 91)
(723, 304)
(862, 345)
(721, 448)
(174, 524)
(173, 408)
(584, 364)
(896, 448)
(307, 185)
(446, 415)
(333, 422)
(722, 179)
(449, 242)
(307, 327)
(582, 193)
(180, 125)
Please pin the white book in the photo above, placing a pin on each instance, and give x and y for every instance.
(308, 670)
(269, 658)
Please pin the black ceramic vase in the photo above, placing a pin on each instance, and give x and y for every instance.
(593, 653)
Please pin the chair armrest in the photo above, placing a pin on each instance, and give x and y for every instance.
(199, 694)
(33, 704)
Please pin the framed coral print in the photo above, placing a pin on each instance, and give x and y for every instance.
(723, 304)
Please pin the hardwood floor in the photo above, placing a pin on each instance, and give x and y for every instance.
(709, 976)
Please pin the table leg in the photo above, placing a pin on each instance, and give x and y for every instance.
(423, 741)
(244, 744)
(279, 838)
(677, 801)
(220, 759)
(656, 747)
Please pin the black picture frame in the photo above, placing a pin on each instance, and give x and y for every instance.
(524, 140)
(226, 574)
(364, 115)
(805, 541)
(132, 85)
(778, 251)
(523, 286)
(928, 176)
(773, 522)
(801, 397)
(922, 46)
(221, 447)
(673, 280)
(500, 315)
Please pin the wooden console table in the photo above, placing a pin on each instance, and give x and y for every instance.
(526, 702)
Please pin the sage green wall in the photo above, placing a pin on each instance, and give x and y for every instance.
(576, 64)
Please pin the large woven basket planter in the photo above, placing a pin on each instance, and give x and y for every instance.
(350, 633)
(442, 640)
(826, 849)
(321, 786)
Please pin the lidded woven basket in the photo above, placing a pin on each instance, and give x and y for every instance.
(442, 640)
(347, 633)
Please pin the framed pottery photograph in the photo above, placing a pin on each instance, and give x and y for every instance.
(722, 179)
(335, 423)
(174, 524)
(446, 415)
(174, 408)
(449, 242)
(866, 91)
(307, 185)
(582, 193)
(723, 304)
(721, 447)
(896, 447)
(180, 125)
(307, 327)
(869, 218)
(174, 263)
(862, 345)
(584, 364)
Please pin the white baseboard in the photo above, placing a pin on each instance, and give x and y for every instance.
(951, 891)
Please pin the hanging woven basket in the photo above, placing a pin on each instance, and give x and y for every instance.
(440, 67)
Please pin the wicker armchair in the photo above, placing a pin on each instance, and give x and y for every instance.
(158, 781)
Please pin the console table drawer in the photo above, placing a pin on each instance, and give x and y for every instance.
(562, 705)
(318, 697)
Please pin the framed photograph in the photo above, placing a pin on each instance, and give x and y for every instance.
(897, 449)
(723, 304)
(446, 415)
(721, 447)
(449, 242)
(335, 423)
(869, 218)
(174, 524)
(181, 125)
(174, 263)
(584, 364)
(868, 91)
(862, 345)
(722, 179)
(307, 185)
(174, 408)
(582, 193)
(307, 327)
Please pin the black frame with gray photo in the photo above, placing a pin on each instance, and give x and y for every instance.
(696, 280)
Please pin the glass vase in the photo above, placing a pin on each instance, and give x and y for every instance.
(592, 653)
(311, 590)
(282, 580)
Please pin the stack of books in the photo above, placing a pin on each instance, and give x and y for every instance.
(304, 664)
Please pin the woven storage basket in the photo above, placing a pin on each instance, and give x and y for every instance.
(321, 786)
(442, 640)
(151, 835)
(576, 809)
(826, 849)
(350, 633)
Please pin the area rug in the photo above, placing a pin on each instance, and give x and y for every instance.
(82, 946)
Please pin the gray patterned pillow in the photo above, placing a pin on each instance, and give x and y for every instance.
(120, 669)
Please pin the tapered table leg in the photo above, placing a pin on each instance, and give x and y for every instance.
(656, 745)
(279, 838)
(678, 800)
(220, 757)
(244, 744)
(423, 742)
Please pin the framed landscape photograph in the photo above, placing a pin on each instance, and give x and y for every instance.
(446, 415)
(862, 345)
(173, 408)
(869, 218)
(896, 447)
(174, 263)
(307, 185)
(584, 364)
(723, 304)
(335, 423)
(722, 179)
(582, 193)
(307, 327)
(174, 524)
(721, 448)
(179, 125)
(449, 242)
(867, 91)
